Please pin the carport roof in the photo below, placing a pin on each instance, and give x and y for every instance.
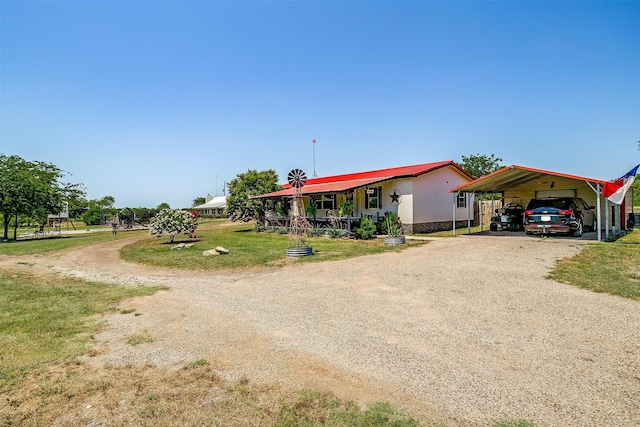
(511, 176)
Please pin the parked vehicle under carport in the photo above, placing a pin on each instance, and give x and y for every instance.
(508, 218)
(559, 215)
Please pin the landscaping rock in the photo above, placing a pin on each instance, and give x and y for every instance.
(181, 246)
(216, 251)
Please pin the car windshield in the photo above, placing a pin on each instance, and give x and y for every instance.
(549, 203)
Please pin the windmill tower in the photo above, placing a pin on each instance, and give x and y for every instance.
(298, 224)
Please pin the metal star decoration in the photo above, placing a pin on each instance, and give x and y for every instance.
(395, 197)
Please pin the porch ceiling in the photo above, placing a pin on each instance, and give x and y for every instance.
(328, 187)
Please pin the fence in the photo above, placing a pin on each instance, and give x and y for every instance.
(487, 212)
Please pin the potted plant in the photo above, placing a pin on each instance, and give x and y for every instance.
(392, 227)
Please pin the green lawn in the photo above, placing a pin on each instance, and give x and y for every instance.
(247, 249)
(60, 242)
(609, 267)
(46, 319)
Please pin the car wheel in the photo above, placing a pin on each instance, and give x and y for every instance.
(578, 231)
(493, 226)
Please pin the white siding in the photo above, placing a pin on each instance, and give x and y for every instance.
(433, 202)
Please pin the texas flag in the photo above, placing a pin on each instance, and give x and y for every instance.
(616, 190)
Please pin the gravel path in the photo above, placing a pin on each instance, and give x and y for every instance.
(465, 331)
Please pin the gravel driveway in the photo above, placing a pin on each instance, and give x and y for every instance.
(462, 330)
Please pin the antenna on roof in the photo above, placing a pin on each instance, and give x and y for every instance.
(314, 157)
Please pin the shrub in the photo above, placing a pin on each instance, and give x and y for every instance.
(345, 208)
(311, 209)
(365, 229)
(316, 231)
(335, 233)
(173, 222)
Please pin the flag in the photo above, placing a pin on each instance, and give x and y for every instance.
(616, 190)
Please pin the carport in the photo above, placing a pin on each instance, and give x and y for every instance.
(527, 183)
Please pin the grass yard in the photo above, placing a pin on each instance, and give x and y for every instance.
(61, 242)
(49, 319)
(247, 249)
(611, 267)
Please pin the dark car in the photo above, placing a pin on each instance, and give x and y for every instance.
(568, 215)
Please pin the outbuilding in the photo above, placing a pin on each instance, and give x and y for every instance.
(212, 206)
(524, 183)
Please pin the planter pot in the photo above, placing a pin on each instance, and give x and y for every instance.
(397, 240)
(296, 252)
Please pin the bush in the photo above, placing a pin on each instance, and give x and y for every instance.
(345, 208)
(365, 229)
(316, 231)
(173, 222)
(311, 210)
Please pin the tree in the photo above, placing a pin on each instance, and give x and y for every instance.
(198, 201)
(163, 205)
(240, 205)
(32, 189)
(173, 222)
(480, 164)
(98, 210)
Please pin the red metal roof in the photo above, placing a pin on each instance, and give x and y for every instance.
(510, 176)
(337, 183)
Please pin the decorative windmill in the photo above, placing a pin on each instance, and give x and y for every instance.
(298, 224)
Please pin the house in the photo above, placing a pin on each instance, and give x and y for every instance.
(521, 183)
(418, 194)
(212, 206)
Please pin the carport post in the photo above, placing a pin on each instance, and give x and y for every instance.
(480, 210)
(598, 214)
(455, 197)
(473, 197)
(606, 218)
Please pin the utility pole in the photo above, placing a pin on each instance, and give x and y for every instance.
(314, 157)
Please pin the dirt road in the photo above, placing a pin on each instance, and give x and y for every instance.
(465, 330)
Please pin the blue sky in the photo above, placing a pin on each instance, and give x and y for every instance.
(164, 101)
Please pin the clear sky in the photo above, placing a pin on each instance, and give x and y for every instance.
(164, 101)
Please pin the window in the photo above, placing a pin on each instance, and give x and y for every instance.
(462, 200)
(373, 198)
(326, 201)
